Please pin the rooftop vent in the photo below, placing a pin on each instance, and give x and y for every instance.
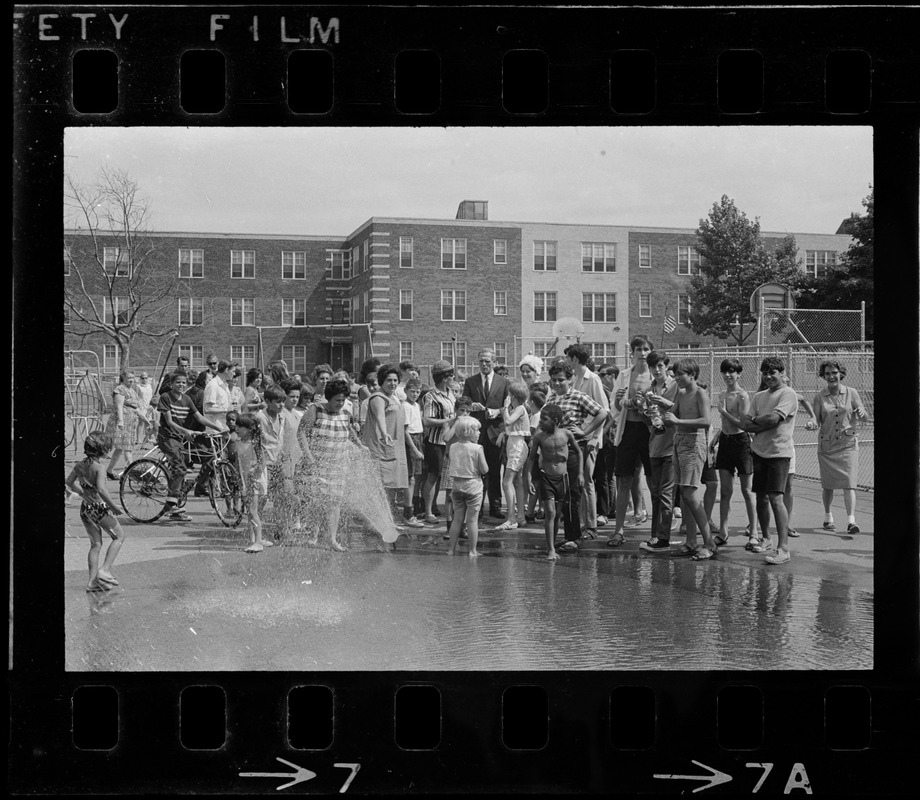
(473, 209)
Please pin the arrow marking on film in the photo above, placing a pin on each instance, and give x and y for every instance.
(713, 779)
(299, 776)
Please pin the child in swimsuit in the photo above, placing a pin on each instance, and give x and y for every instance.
(551, 443)
(97, 511)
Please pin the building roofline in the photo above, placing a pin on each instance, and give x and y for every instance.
(213, 235)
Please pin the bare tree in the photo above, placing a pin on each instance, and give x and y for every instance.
(117, 287)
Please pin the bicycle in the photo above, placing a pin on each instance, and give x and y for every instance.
(144, 485)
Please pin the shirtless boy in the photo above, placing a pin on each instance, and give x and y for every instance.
(734, 449)
(553, 443)
(690, 416)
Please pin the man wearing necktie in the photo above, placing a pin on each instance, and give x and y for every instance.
(487, 392)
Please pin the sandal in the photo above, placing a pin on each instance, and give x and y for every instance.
(616, 540)
(568, 547)
(686, 550)
(793, 533)
(588, 533)
(703, 554)
(507, 525)
(721, 541)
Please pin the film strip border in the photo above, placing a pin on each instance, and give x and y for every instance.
(475, 732)
(548, 732)
(343, 65)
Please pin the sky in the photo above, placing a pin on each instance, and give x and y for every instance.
(329, 181)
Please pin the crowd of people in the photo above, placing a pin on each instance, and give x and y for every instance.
(569, 442)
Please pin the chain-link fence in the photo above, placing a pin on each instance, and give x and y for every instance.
(806, 325)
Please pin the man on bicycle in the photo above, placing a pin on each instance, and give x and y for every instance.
(175, 408)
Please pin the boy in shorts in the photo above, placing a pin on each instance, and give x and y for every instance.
(734, 451)
(772, 421)
(553, 443)
(690, 416)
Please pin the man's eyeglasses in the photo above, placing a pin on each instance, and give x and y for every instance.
(212, 363)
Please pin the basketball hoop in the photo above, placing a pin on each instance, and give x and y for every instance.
(568, 328)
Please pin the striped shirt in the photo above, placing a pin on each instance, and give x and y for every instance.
(180, 410)
(437, 405)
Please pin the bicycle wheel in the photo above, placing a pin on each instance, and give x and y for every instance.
(143, 490)
(226, 492)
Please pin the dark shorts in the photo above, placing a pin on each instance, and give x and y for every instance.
(416, 465)
(735, 453)
(434, 459)
(770, 475)
(632, 449)
(553, 487)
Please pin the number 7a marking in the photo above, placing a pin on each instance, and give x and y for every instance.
(354, 771)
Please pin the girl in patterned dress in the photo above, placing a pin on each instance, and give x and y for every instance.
(97, 511)
(325, 436)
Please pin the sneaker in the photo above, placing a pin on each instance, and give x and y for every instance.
(412, 522)
(267, 543)
(655, 546)
(507, 525)
(430, 519)
(601, 520)
(765, 546)
(753, 542)
(852, 529)
(779, 557)
(677, 512)
(636, 521)
(253, 548)
(179, 516)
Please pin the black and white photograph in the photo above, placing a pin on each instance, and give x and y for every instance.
(468, 398)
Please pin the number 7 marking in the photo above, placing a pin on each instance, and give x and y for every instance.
(766, 767)
(354, 771)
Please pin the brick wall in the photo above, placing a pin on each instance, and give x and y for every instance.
(216, 289)
(481, 278)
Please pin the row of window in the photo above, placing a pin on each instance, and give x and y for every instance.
(296, 355)
(595, 257)
(595, 307)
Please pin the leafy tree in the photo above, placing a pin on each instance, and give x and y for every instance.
(734, 261)
(116, 288)
(851, 280)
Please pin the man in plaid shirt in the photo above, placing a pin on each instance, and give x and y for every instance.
(582, 416)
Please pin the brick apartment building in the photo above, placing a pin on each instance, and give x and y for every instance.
(420, 289)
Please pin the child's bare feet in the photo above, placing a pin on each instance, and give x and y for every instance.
(106, 577)
(92, 586)
(474, 553)
(450, 551)
(338, 546)
(552, 555)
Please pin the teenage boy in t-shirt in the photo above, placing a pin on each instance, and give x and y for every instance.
(175, 409)
(772, 421)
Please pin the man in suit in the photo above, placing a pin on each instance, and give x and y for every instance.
(488, 391)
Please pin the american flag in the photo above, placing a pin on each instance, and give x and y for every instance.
(669, 323)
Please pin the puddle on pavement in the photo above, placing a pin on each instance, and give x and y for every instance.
(301, 608)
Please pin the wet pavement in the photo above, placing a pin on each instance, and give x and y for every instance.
(190, 599)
